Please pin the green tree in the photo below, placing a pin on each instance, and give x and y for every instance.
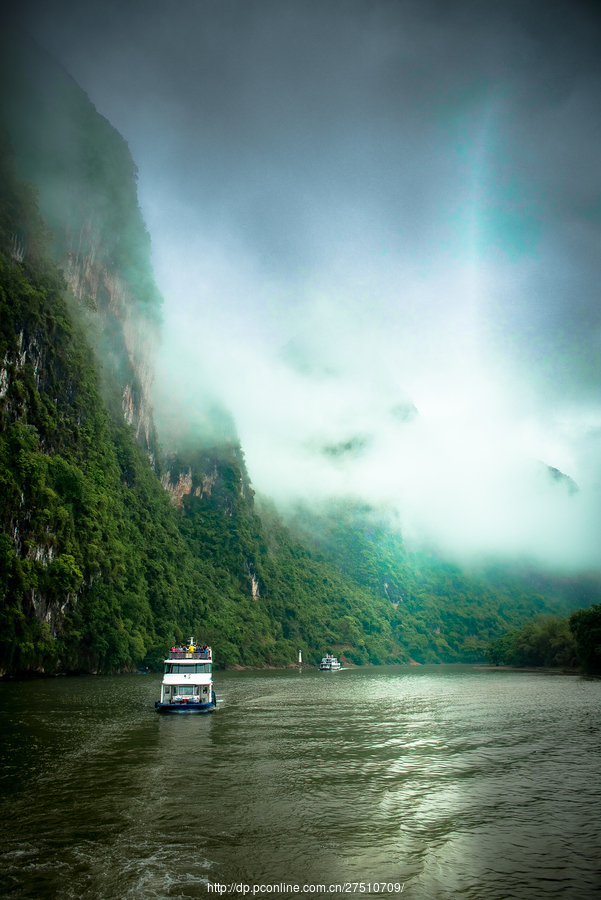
(585, 625)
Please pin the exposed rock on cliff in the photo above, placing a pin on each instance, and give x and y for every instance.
(134, 335)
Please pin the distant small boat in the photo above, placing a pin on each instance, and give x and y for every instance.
(329, 663)
(187, 685)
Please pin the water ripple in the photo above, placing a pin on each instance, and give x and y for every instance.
(459, 782)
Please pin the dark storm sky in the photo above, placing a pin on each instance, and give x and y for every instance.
(357, 206)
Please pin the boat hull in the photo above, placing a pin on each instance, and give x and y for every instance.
(185, 707)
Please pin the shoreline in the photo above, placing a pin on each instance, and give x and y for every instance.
(533, 670)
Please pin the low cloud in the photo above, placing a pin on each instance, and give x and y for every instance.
(376, 228)
(411, 400)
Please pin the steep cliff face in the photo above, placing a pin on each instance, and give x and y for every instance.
(208, 472)
(94, 573)
(126, 338)
(88, 199)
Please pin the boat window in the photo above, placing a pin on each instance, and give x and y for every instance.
(182, 669)
(186, 690)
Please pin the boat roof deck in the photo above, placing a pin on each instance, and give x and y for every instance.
(190, 654)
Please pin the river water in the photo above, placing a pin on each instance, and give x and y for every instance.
(431, 782)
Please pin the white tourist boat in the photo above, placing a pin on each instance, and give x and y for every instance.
(187, 684)
(329, 663)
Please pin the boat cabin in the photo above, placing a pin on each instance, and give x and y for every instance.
(187, 677)
(329, 663)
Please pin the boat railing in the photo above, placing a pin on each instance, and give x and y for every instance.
(190, 654)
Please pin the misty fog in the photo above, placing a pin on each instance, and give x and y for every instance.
(375, 225)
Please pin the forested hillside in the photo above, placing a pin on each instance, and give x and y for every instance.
(443, 612)
(549, 641)
(111, 550)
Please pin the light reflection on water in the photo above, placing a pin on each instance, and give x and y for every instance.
(459, 782)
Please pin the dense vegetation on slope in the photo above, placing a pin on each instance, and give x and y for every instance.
(94, 570)
(550, 641)
(267, 595)
(443, 613)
